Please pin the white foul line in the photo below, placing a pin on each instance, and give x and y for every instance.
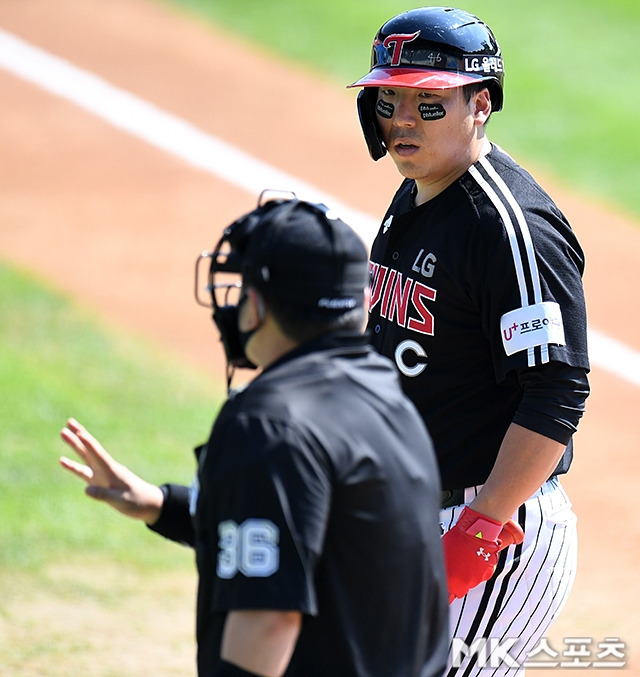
(614, 356)
(160, 129)
(204, 151)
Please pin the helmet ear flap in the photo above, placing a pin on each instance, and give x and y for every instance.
(497, 97)
(367, 99)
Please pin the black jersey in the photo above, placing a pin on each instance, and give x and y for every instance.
(470, 291)
(319, 492)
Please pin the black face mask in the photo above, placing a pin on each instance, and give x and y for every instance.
(244, 336)
(233, 340)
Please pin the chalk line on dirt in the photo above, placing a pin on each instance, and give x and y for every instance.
(206, 152)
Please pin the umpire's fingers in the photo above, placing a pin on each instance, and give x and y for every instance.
(78, 469)
(70, 437)
(86, 445)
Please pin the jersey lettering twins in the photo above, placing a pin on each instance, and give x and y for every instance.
(464, 293)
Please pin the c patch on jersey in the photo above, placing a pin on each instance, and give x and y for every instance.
(432, 111)
(385, 109)
(532, 326)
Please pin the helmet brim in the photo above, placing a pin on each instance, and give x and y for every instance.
(417, 78)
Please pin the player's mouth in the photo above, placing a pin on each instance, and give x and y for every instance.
(404, 148)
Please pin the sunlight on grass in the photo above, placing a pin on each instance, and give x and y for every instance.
(57, 360)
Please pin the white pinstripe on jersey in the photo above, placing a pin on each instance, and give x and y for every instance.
(529, 588)
(516, 224)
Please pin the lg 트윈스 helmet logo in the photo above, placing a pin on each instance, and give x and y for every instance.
(398, 41)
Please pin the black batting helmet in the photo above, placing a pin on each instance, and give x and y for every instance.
(429, 48)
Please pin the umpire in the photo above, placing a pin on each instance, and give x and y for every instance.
(314, 512)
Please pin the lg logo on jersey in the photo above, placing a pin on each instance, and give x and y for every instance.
(425, 265)
(250, 548)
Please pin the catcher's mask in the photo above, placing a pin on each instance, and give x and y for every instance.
(296, 254)
(225, 295)
(428, 48)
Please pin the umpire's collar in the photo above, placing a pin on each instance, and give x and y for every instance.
(344, 343)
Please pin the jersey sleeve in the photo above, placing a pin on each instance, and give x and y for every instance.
(175, 522)
(553, 400)
(532, 298)
(268, 512)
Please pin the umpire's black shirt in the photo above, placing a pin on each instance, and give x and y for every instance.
(318, 492)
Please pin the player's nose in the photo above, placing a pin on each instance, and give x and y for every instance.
(405, 113)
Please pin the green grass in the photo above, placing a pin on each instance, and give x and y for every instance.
(571, 94)
(56, 361)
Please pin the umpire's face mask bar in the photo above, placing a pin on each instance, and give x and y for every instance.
(223, 294)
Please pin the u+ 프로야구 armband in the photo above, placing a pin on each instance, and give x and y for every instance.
(532, 326)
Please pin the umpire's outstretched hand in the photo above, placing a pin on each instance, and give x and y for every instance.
(107, 480)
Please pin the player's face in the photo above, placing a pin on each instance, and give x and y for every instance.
(433, 136)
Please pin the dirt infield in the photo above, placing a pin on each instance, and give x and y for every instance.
(118, 224)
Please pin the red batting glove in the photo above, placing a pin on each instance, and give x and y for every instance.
(471, 550)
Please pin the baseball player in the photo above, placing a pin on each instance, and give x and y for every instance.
(477, 296)
(314, 513)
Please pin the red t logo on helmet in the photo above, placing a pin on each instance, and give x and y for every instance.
(398, 42)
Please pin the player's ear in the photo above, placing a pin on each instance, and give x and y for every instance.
(481, 106)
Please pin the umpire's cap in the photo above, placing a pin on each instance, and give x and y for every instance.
(301, 254)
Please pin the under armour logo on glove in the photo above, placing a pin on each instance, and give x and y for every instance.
(467, 564)
(482, 553)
